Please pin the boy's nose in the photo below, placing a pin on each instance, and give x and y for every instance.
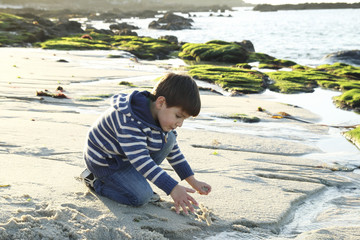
(180, 123)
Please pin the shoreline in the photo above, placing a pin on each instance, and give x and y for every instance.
(258, 181)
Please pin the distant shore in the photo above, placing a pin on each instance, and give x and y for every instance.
(304, 6)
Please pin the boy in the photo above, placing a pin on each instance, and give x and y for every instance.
(129, 141)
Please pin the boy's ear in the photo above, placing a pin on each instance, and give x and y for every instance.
(160, 101)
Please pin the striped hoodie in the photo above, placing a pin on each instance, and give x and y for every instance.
(122, 137)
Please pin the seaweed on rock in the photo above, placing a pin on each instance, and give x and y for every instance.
(349, 100)
(353, 136)
(215, 51)
(141, 47)
(230, 78)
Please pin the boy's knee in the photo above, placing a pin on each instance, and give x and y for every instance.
(141, 199)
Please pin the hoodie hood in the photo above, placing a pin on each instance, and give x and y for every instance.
(135, 105)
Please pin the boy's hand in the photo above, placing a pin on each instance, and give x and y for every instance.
(202, 187)
(182, 199)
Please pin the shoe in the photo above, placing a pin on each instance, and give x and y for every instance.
(155, 198)
(88, 178)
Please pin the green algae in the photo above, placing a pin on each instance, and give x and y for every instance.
(93, 98)
(10, 22)
(276, 64)
(230, 78)
(75, 43)
(141, 47)
(243, 117)
(126, 83)
(353, 136)
(342, 70)
(259, 57)
(14, 32)
(215, 51)
(339, 76)
(243, 65)
(348, 76)
(305, 79)
(145, 47)
(349, 100)
(229, 52)
(295, 81)
(269, 62)
(89, 98)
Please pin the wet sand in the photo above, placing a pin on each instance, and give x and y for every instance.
(258, 180)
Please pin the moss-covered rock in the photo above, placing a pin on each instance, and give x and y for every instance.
(276, 64)
(141, 47)
(349, 100)
(145, 47)
(241, 117)
(297, 81)
(341, 69)
(29, 28)
(348, 76)
(353, 136)
(243, 65)
(259, 57)
(230, 78)
(10, 22)
(75, 43)
(15, 30)
(215, 51)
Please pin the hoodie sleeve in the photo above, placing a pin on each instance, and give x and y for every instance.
(179, 163)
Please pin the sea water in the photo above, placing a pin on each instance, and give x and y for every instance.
(304, 36)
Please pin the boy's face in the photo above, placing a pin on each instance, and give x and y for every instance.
(170, 118)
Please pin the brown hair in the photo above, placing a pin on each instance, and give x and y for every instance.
(179, 91)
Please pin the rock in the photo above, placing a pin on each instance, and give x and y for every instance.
(240, 228)
(347, 56)
(247, 45)
(171, 21)
(121, 26)
(215, 51)
(69, 27)
(103, 31)
(154, 25)
(126, 32)
(169, 38)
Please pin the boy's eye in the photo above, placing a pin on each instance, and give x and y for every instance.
(178, 116)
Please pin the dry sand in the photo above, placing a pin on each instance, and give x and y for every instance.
(257, 180)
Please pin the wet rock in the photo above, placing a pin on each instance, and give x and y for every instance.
(103, 31)
(247, 45)
(170, 38)
(240, 228)
(126, 32)
(171, 21)
(67, 28)
(29, 28)
(349, 57)
(349, 100)
(121, 26)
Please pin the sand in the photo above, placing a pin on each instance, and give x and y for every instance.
(258, 181)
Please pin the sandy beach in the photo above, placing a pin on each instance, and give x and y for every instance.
(258, 181)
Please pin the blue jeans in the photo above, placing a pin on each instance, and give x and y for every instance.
(128, 186)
